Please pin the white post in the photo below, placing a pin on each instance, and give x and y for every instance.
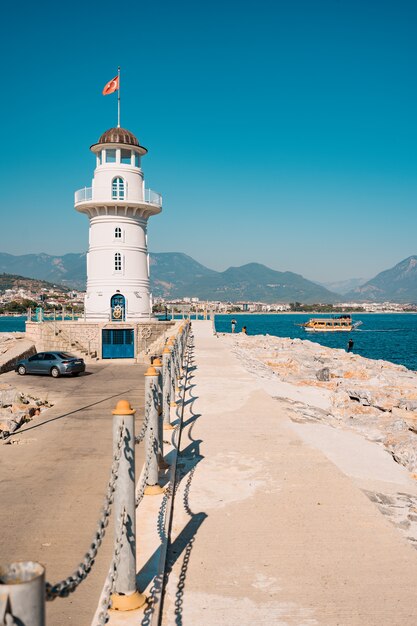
(163, 465)
(126, 597)
(22, 594)
(151, 438)
(166, 388)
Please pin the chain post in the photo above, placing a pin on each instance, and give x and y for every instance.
(181, 336)
(171, 346)
(22, 594)
(175, 354)
(163, 465)
(151, 439)
(166, 388)
(125, 596)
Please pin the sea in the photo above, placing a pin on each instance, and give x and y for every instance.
(388, 336)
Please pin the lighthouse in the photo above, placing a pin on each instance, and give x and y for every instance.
(118, 206)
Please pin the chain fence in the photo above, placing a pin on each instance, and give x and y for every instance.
(111, 576)
(70, 584)
(117, 493)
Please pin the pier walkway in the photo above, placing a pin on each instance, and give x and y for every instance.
(53, 476)
(266, 529)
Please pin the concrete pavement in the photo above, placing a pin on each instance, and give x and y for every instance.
(53, 478)
(267, 529)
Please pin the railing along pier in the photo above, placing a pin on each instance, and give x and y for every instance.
(23, 590)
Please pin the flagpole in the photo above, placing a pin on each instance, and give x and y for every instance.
(118, 99)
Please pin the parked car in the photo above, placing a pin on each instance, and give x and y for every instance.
(51, 363)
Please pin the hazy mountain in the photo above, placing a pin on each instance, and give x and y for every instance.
(12, 281)
(253, 282)
(344, 286)
(172, 272)
(176, 275)
(69, 269)
(398, 284)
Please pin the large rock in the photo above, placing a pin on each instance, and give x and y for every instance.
(323, 375)
(8, 396)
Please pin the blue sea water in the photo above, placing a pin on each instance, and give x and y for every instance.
(12, 324)
(388, 336)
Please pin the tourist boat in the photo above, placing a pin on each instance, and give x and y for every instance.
(342, 323)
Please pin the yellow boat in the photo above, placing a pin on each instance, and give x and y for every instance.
(342, 323)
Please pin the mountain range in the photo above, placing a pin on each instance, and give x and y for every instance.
(397, 284)
(176, 275)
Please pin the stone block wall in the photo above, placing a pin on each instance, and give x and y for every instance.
(85, 338)
(69, 335)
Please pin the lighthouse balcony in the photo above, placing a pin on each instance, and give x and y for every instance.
(150, 197)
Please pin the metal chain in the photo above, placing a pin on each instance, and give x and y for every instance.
(168, 387)
(140, 492)
(142, 433)
(69, 584)
(111, 576)
(177, 362)
(174, 376)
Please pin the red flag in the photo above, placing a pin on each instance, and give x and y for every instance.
(112, 86)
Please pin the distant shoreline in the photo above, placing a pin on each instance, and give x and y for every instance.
(318, 313)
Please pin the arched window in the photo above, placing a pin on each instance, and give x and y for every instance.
(118, 189)
(118, 262)
(117, 233)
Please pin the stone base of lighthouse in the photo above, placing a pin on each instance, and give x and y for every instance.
(94, 341)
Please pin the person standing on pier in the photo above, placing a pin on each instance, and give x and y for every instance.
(233, 323)
(349, 345)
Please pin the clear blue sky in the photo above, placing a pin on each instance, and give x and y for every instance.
(282, 132)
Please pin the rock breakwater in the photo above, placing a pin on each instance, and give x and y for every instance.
(13, 347)
(378, 399)
(17, 408)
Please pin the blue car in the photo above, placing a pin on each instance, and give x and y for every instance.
(54, 364)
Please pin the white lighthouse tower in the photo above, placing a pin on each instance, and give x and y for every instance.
(118, 206)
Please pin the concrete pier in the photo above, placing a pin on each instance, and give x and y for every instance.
(53, 476)
(267, 529)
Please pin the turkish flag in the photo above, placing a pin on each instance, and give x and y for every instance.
(112, 86)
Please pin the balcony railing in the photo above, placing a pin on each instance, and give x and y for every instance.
(86, 193)
(153, 197)
(83, 195)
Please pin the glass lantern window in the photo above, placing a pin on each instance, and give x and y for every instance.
(137, 160)
(110, 156)
(125, 156)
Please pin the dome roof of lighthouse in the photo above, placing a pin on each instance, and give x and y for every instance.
(116, 136)
(119, 135)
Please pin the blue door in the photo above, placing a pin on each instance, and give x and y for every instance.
(118, 343)
(118, 307)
